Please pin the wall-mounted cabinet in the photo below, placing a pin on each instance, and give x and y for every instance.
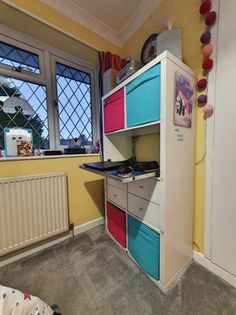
(157, 210)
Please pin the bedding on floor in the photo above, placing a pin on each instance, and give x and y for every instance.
(15, 302)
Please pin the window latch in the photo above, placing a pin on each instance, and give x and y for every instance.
(20, 68)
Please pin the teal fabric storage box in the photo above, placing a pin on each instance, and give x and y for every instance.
(144, 246)
(143, 98)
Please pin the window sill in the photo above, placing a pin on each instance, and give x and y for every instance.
(43, 157)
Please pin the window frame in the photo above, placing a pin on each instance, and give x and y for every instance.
(48, 56)
(30, 49)
(76, 65)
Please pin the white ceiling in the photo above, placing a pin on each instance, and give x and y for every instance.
(115, 20)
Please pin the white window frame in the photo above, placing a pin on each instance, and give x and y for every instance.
(48, 56)
(79, 67)
(29, 48)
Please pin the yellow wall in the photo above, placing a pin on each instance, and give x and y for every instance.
(147, 141)
(51, 17)
(85, 190)
(31, 27)
(184, 14)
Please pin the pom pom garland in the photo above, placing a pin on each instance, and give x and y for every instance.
(205, 7)
(201, 85)
(210, 18)
(208, 111)
(207, 50)
(202, 99)
(207, 64)
(205, 38)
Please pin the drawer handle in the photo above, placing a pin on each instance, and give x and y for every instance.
(140, 186)
(141, 209)
(115, 195)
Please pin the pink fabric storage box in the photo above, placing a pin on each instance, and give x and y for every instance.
(116, 223)
(114, 112)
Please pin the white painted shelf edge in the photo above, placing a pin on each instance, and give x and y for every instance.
(119, 178)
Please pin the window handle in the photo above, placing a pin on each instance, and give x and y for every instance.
(20, 68)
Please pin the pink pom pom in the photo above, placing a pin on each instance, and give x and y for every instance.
(207, 50)
(208, 111)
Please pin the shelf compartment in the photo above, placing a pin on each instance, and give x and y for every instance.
(144, 246)
(141, 130)
(114, 112)
(116, 223)
(143, 98)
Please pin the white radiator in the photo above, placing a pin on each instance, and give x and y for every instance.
(32, 208)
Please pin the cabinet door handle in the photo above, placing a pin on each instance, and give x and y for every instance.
(140, 186)
(115, 195)
(141, 209)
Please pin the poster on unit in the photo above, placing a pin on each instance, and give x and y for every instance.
(183, 101)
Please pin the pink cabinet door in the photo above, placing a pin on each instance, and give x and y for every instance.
(116, 224)
(114, 112)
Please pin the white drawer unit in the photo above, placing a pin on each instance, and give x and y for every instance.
(148, 189)
(117, 184)
(147, 212)
(117, 196)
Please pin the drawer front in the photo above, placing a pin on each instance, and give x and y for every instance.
(146, 211)
(118, 196)
(148, 189)
(114, 112)
(117, 184)
(144, 246)
(116, 224)
(143, 98)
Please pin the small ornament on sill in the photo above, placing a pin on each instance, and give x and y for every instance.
(75, 143)
(96, 147)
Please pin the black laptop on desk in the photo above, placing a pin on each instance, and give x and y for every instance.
(105, 166)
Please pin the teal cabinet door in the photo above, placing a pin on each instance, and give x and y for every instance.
(143, 98)
(144, 246)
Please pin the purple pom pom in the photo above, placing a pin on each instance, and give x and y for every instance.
(202, 99)
(205, 38)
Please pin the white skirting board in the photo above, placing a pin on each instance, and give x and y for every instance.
(77, 230)
(224, 275)
(87, 226)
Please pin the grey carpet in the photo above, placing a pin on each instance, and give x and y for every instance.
(92, 275)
